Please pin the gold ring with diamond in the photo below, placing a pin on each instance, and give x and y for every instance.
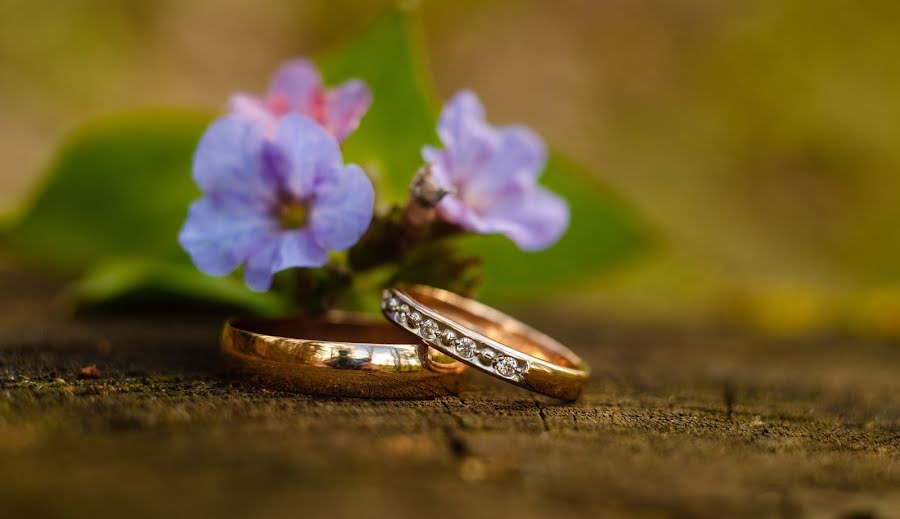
(487, 340)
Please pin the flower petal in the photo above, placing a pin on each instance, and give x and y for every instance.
(342, 210)
(459, 116)
(258, 269)
(519, 157)
(298, 82)
(285, 250)
(514, 164)
(222, 230)
(452, 209)
(344, 107)
(253, 109)
(468, 140)
(229, 160)
(494, 174)
(534, 218)
(310, 153)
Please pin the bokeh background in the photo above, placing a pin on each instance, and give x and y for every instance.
(756, 141)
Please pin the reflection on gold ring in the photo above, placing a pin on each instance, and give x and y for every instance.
(338, 355)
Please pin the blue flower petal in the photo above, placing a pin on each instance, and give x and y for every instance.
(229, 159)
(533, 219)
(469, 141)
(310, 152)
(221, 231)
(519, 155)
(460, 115)
(258, 269)
(342, 207)
(287, 250)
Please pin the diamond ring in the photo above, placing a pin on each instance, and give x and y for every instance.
(486, 340)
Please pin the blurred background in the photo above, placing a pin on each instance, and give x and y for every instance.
(756, 141)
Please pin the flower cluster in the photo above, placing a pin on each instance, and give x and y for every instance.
(273, 203)
(491, 175)
(278, 195)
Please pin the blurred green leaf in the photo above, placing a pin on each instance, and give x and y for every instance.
(112, 206)
(118, 189)
(388, 58)
(156, 281)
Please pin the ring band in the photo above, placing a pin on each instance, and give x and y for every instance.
(487, 340)
(340, 355)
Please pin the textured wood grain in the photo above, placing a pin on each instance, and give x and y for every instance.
(676, 422)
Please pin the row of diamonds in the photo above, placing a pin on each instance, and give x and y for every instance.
(465, 347)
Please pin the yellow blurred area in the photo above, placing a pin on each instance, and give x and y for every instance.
(758, 137)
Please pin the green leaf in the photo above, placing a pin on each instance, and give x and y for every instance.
(157, 282)
(388, 58)
(118, 189)
(114, 201)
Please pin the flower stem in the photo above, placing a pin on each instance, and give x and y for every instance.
(316, 290)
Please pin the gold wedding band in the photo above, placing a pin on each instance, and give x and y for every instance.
(339, 355)
(487, 340)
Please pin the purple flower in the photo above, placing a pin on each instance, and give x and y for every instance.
(297, 88)
(492, 174)
(272, 203)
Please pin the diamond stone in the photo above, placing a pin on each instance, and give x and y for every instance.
(487, 355)
(415, 319)
(447, 337)
(465, 347)
(506, 366)
(393, 304)
(402, 314)
(429, 330)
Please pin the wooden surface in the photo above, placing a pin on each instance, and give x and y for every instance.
(675, 422)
